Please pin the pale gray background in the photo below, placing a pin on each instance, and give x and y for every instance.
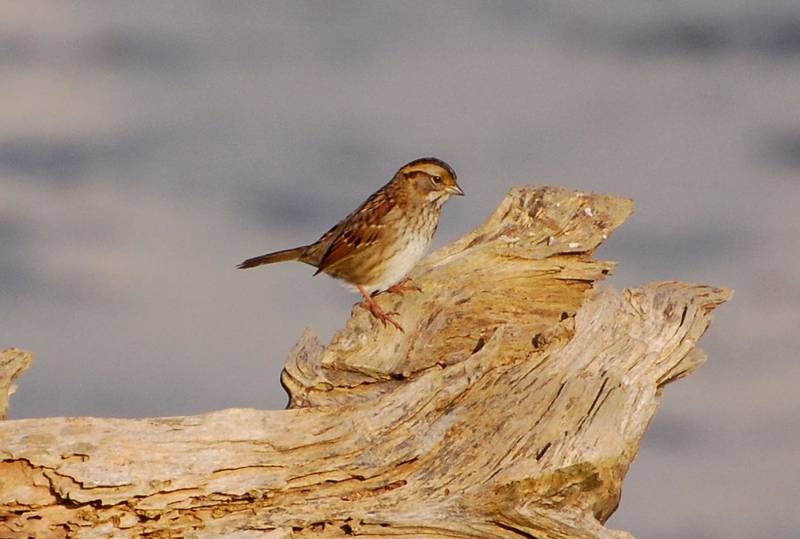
(147, 147)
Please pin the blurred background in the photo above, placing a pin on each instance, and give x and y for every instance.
(148, 147)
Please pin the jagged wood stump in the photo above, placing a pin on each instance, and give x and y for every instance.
(512, 406)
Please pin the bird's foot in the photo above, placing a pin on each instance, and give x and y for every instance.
(375, 310)
(404, 286)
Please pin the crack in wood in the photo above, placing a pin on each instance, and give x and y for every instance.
(404, 435)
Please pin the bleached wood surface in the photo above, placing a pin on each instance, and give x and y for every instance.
(13, 362)
(511, 407)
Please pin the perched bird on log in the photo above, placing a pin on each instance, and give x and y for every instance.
(375, 247)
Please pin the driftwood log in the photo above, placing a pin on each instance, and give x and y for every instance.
(512, 406)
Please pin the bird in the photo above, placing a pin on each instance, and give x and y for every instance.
(376, 246)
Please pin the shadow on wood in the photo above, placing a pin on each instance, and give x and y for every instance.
(512, 406)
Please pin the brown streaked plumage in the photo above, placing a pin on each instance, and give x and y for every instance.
(374, 247)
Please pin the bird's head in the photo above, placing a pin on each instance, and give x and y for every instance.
(431, 178)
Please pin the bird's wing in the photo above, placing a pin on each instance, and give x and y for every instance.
(358, 230)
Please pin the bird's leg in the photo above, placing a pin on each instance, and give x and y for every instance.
(404, 286)
(375, 309)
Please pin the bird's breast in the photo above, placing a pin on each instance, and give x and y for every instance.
(397, 264)
(402, 242)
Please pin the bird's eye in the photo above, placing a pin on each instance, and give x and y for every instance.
(436, 180)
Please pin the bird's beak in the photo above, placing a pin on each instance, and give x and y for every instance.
(455, 190)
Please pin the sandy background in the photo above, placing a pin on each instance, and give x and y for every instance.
(148, 147)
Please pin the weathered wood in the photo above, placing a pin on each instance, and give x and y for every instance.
(511, 407)
(13, 362)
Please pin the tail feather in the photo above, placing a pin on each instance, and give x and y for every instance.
(271, 258)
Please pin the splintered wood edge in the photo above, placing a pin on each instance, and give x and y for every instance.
(567, 221)
(13, 363)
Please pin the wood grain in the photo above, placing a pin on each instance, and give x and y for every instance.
(511, 407)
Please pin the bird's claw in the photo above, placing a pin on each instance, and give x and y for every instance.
(384, 317)
(404, 286)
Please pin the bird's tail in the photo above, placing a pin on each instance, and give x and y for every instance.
(271, 258)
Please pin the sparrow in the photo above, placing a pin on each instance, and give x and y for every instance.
(373, 249)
